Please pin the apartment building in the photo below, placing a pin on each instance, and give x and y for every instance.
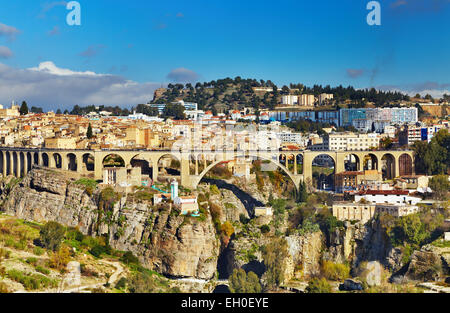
(348, 142)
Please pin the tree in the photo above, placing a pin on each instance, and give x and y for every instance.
(36, 110)
(51, 235)
(23, 108)
(302, 193)
(241, 282)
(440, 186)
(89, 133)
(176, 111)
(58, 111)
(273, 256)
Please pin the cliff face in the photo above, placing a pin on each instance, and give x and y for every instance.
(164, 241)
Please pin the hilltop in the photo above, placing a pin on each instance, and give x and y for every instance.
(228, 93)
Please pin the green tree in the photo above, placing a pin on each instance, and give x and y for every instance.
(273, 256)
(409, 229)
(302, 193)
(241, 282)
(89, 133)
(51, 235)
(440, 186)
(23, 108)
(175, 111)
(58, 111)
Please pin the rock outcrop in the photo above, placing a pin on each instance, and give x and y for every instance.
(162, 239)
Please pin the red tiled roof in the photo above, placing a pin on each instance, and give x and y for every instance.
(384, 192)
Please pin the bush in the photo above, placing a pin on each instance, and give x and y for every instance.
(265, 229)
(98, 250)
(4, 254)
(335, 271)
(272, 254)
(214, 190)
(38, 251)
(318, 286)
(51, 235)
(60, 258)
(142, 283)
(42, 270)
(129, 258)
(122, 283)
(31, 261)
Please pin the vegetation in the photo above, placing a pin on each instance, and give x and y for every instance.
(335, 271)
(272, 255)
(51, 235)
(433, 158)
(241, 282)
(317, 285)
(440, 186)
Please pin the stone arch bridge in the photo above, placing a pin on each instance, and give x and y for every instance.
(195, 164)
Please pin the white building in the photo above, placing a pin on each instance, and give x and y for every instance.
(325, 97)
(387, 197)
(289, 100)
(351, 142)
(307, 100)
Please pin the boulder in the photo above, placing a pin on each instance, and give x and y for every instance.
(371, 272)
(351, 285)
(73, 276)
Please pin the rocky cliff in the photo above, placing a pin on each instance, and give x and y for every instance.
(162, 239)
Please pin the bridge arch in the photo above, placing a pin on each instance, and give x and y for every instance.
(72, 164)
(45, 160)
(370, 162)
(388, 166)
(88, 162)
(57, 159)
(405, 164)
(294, 179)
(352, 162)
(113, 160)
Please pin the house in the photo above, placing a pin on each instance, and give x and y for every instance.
(161, 197)
(122, 176)
(263, 211)
(187, 204)
(353, 211)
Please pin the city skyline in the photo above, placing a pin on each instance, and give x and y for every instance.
(122, 52)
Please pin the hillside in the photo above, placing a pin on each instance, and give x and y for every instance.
(226, 94)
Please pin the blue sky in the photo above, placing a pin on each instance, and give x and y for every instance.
(125, 49)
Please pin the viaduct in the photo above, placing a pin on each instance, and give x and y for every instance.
(195, 164)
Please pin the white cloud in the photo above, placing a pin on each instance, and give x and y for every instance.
(9, 32)
(5, 52)
(52, 87)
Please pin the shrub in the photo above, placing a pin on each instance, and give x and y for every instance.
(4, 254)
(98, 250)
(318, 286)
(335, 271)
(38, 251)
(42, 270)
(142, 282)
(31, 261)
(122, 283)
(51, 235)
(129, 258)
(265, 229)
(214, 190)
(60, 258)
